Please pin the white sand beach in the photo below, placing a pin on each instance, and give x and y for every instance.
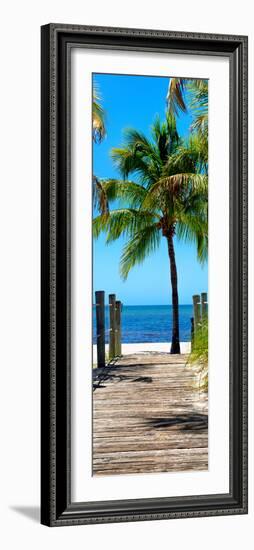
(146, 347)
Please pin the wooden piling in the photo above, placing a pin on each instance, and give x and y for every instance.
(112, 326)
(192, 332)
(204, 304)
(100, 326)
(196, 307)
(118, 329)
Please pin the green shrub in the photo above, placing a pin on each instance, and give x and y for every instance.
(199, 353)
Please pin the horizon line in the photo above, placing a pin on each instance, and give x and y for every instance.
(148, 305)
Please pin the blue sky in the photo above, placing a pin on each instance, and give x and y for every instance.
(134, 101)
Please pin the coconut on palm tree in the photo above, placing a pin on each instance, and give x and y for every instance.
(168, 199)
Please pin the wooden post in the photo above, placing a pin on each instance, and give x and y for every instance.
(196, 307)
(192, 332)
(100, 326)
(204, 304)
(112, 326)
(118, 329)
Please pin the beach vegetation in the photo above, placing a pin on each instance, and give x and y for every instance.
(198, 357)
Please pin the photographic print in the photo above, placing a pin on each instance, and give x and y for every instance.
(144, 275)
(150, 274)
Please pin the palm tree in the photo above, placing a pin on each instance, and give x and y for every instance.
(98, 116)
(194, 92)
(99, 133)
(168, 199)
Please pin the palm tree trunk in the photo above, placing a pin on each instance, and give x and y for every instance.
(175, 345)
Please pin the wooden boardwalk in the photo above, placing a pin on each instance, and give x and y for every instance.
(148, 416)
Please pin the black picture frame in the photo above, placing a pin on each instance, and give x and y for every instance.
(56, 506)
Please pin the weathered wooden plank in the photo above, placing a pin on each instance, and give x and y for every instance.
(148, 416)
(99, 448)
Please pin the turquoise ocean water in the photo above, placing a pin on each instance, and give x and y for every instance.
(150, 323)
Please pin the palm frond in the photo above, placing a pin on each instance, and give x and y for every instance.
(137, 156)
(193, 227)
(199, 105)
(175, 96)
(202, 247)
(137, 141)
(191, 156)
(122, 222)
(189, 94)
(129, 161)
(176, 183)
(98, 116)
(100, 198)
(124, 191)
(200, 124)
(142, 244)
(165, 136)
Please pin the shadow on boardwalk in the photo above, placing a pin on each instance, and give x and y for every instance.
(148, 416)
(187, 422)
